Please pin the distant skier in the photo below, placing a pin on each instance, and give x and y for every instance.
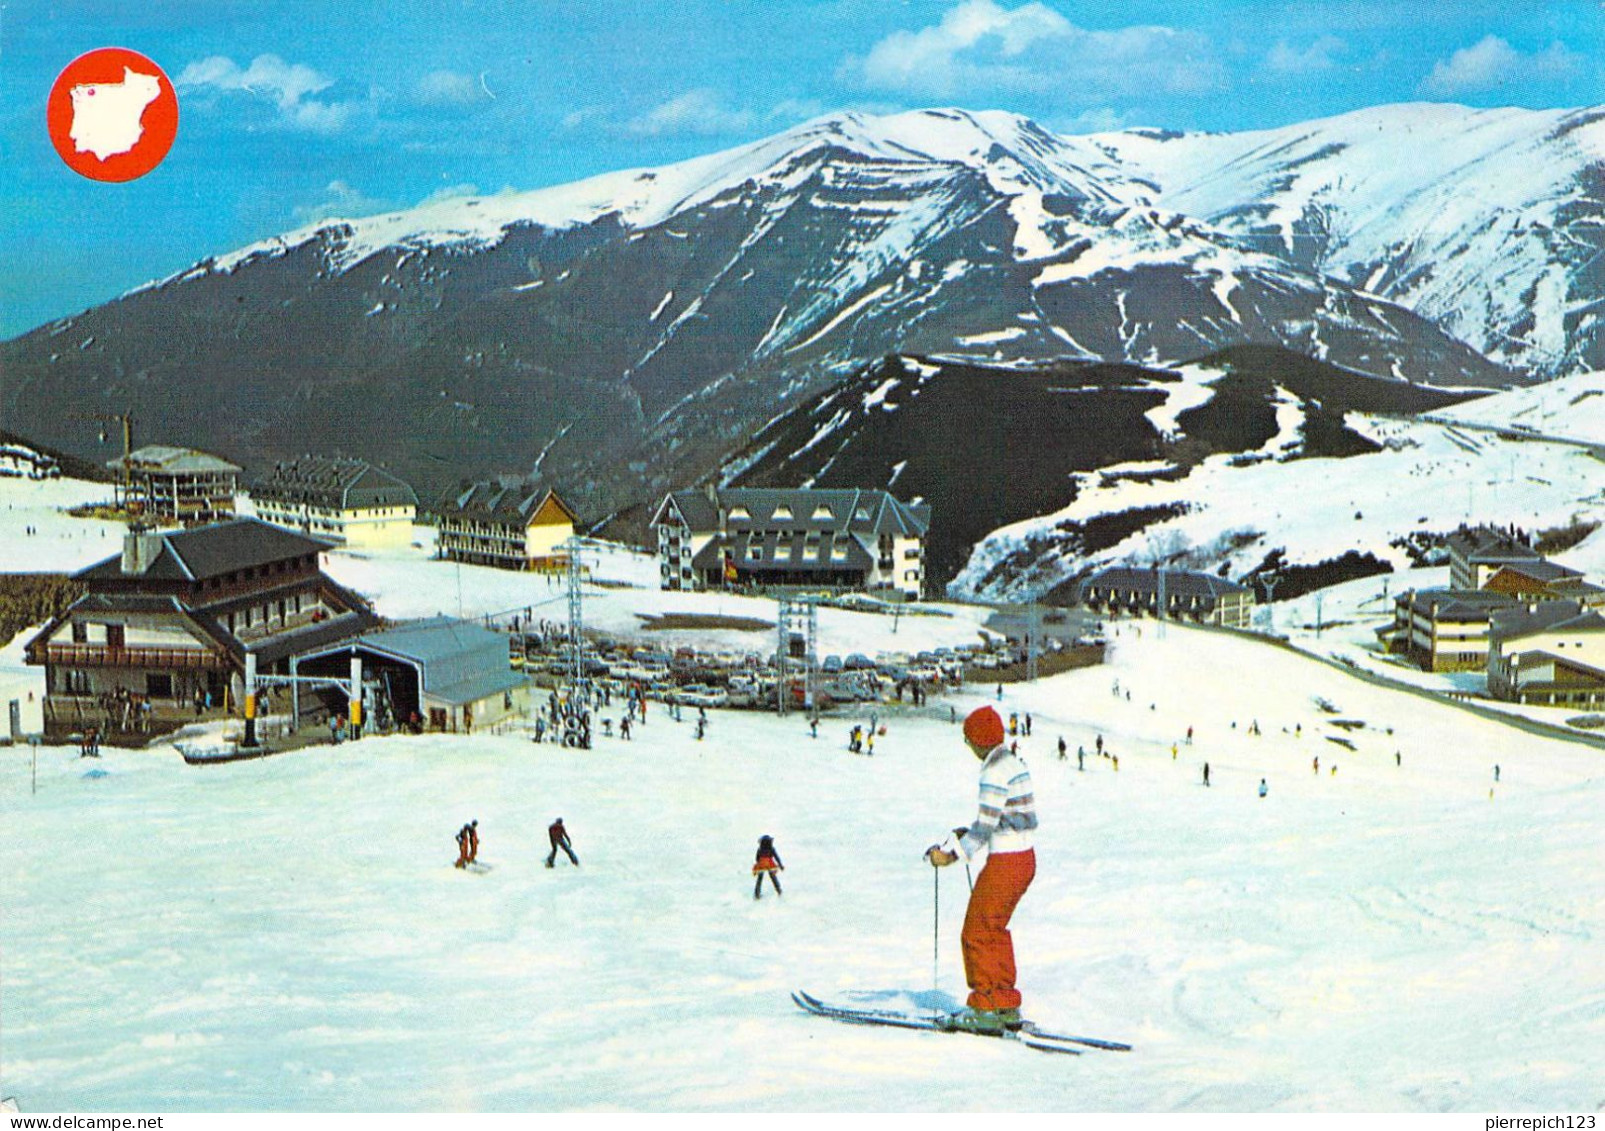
(1315, 764)
(1081, 757)
(1063, 749)
(1189, 736)
(1263, 788)
(1003, 825)
(558, 835)
(462, 848)
(1206, 773)
(1028, 724)
(767, 864)
(473, 841)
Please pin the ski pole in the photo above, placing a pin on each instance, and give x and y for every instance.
(969, 879)
(936, 925)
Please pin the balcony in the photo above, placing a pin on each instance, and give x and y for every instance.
(99, 656)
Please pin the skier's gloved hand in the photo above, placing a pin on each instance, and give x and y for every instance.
(939, 857)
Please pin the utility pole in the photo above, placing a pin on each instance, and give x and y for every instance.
(576, 618)
(1033, 639)
(126, 419)
(783, 615)
(1269, 582)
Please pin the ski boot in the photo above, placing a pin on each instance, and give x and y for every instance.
(990, 1022)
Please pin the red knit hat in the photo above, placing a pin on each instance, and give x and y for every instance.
(984, 727)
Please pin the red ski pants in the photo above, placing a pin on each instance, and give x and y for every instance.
(988, 948)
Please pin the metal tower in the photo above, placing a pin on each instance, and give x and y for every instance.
(576, 617)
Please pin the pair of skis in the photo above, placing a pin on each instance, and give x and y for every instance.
(1029, 1034)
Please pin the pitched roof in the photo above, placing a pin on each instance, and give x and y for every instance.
(492, 501)
(1178, 582)
(166, 460)
(838, 509)
(1484, 545)
(211, 551)
(1546, 616)
(1540, 570)
(344, 484)
(1475, 605)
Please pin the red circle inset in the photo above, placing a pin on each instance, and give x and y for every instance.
(131, 135)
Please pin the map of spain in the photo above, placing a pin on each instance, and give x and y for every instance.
(106, 115)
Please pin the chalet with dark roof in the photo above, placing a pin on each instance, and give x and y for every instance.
(1550, 652)
(171, 620)
(1477, 552)
(343, 501)
(814, 538)
(507, 524)
(1181, 594)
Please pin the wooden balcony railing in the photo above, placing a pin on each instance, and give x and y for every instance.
(100, 656)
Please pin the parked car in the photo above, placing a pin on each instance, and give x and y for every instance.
(832, 665)
(858, 662)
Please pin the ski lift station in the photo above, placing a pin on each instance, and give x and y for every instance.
(452, 673)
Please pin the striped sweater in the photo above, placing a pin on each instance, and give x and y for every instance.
(1008, 809)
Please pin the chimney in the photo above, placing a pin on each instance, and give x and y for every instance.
(140, 548)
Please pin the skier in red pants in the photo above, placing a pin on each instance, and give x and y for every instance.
(1007, 815)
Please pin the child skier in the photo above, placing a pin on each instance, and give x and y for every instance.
(767, 864)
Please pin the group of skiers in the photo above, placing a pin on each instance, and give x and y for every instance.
(556, 834)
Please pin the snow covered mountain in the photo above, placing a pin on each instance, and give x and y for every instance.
(625, 333)
(1487, 222)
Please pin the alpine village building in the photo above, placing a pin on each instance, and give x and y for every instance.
(344, 501)
(1176, 594)
(170, 621)
(165, 484)
(509, 525)
(1491, 573)
(816, 538)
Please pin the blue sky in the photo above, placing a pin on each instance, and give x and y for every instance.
(293, 110)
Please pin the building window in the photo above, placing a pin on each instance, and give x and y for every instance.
(822, 513)
(740, 513)
(783, 511)
(80, 632)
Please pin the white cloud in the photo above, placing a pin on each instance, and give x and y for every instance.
(981, 46)
(289, 86)
(450, 192)
(696, 112)
(1286, 59)
(1493, 62)
(451, 90)
(341, 201)
(1100, 119)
